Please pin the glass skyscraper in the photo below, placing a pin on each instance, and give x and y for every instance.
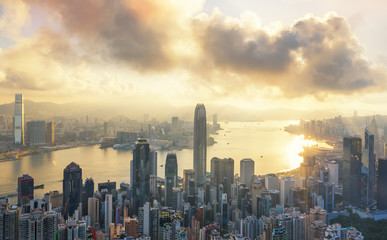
(200, 144)
(18, 120)
(141, 174)
(352, 151)
(72, 189)
(170, 179)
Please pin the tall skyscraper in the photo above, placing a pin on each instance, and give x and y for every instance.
(153, 158)
(108, 211)
(247, 171)
(50, 133)
(187, 174)
(141, 174)
(25, 189)
(352, 170)
(285, 184)
(72, 188)
(170, 179)
(18, 120)
(382, 184)
(369, 162)
(36, 133)
(200, 144)
(222, 172)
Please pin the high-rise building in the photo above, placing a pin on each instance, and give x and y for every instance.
(382, 184)
(352, 152)
(130, 226)
(108, 211)
(247, 171)
(72, 188)
(272, 182)
(50, 133)
(93, 211)
(187, 174)
(18, 120)
(200, 144)
(9, 222)
(369, 162)
(148, 221)
(25, 189)
(333, 170)
(88, 192)
(37, 225)
(153, 159)
(285, 184)
(170, 179)
(36, 133)
(175, 125)
(222, 172)
(141, 174)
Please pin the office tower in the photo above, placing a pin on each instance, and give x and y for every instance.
(72, 188)
(222, 172)
(9, 222)
(25, 189)
(141, 168)
(256, 188)
(333, 169)
(105, 129)
(153, 159)
(109, 186)
(170, 179)
(130, 226)
(200, 145)
(285, 184)
(369, 162)
(352, 170)
(191, 198)
(123, 137)
(382, 184)
(93, 211)
(271, 182)
(187, 174)
(50, 133)
(108, 211)
(247, 171)
(374, 130)
(329, 196)
(36, 133)
(18, 120)
(175, 125)
(88, 192)
(178, 195)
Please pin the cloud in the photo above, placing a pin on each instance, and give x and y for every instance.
(226, 55)
(14, 16)
(313, 56)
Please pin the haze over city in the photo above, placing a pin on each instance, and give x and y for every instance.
(193, 120)
(255, 55)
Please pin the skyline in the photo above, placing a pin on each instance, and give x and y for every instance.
(314, 55)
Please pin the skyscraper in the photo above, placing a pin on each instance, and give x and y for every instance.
(50, 133)
(247, 171)
(352, 170)
(36, 133)
(382, 184)
(72, 188)
(108, 211)
(369, 162)
(170, 179)
(18, 120)
(25, 189)
(200, 144)
(222, 172)
(141, 174)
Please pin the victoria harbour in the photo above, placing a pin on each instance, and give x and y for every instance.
(272, 149)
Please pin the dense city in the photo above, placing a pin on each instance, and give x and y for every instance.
(315, 201)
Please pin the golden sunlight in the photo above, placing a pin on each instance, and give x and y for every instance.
(296, 147)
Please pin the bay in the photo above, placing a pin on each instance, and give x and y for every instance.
(271, 148)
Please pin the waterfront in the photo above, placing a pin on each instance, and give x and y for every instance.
(272, 149)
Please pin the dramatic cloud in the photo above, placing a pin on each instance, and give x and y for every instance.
(312, 57)
(315, 55)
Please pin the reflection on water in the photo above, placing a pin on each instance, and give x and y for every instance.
(272, 149)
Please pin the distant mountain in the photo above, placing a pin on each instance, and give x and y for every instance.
(162, 110)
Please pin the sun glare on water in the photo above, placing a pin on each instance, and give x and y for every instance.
(296, 147)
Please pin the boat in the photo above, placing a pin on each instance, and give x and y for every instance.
(123, 146)
(41, 186)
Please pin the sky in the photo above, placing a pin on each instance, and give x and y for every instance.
(252, 54)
